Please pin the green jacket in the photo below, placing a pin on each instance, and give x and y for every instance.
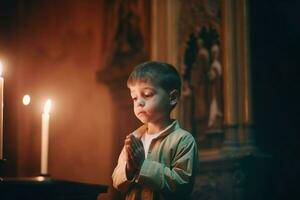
(169, 170)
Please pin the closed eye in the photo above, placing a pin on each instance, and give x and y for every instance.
(148, 94)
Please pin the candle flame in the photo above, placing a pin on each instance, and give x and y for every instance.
(47, 106)
(26, 100)
(1, 68)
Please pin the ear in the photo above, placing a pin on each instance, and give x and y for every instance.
(173, 95)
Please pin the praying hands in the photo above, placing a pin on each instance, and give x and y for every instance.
(135, 155)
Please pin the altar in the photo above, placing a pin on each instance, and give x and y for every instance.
(46, 188)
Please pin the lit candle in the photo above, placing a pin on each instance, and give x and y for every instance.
(1, 111)
(45, 137)
(26, 100)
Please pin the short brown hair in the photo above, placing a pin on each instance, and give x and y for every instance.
(163, 74)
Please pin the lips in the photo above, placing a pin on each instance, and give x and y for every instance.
(141, 113)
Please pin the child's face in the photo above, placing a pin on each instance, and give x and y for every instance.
(151, 103)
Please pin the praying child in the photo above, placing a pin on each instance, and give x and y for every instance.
(159, 160)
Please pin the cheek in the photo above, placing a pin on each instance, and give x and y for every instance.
(155, 106)
(134, 108)
(163, 106)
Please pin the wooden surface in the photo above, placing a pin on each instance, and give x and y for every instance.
(42, 187)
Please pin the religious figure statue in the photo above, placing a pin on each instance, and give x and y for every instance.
(200, 56)
(198, 79)
(202, 85)
(214, 76)
(129, 41)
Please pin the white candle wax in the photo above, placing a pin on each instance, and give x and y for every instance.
(45, 138)
(1, 117)
(1, 110)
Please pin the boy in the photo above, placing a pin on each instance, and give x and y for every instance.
(159, 160)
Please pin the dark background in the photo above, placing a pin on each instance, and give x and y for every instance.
(275, 56)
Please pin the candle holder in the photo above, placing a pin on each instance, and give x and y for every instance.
(45, 175)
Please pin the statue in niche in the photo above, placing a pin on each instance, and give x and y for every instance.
(129, 41)
(214, 76)
(199, 80)
(202, 81)
(126, 38)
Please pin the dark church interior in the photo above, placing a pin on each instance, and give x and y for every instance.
(79, 53)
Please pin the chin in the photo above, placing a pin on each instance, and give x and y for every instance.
(144, 121)
(143, 118)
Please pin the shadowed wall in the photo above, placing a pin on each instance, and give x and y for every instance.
(52, 49)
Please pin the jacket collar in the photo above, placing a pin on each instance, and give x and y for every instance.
(143, 129)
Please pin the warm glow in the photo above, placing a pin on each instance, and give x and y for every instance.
(1, 68)
(40, 178)
(47, 106)
(26, 100)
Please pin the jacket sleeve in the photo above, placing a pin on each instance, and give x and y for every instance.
(178, 179)
(120, 181)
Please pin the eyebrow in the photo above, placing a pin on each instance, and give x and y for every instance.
(148, 88)
(144, 88)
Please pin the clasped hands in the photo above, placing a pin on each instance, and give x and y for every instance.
(135, 155)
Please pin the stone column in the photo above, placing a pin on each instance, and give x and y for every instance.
(238, 120)
(230, 144)
(246, 137)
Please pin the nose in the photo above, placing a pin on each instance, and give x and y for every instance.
(140, 102)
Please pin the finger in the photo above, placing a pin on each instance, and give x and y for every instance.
(131, 140)
(131, 160)
(130, 154)
(134, 156)
(127, 151)
(136, 149)
(130, 165)
(140, 148)
(140, 143)
(128, 141)
(128, 136)
(136, 140)
(136, 143)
